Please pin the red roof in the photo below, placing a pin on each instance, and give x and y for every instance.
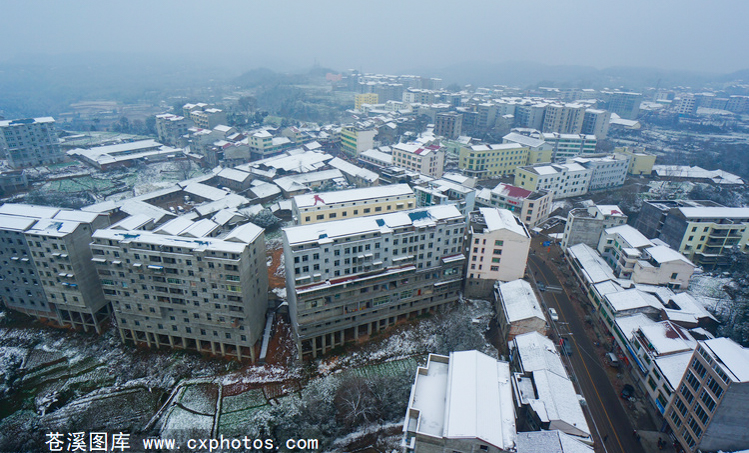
(515, 192)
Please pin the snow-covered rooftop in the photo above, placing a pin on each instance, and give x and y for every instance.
(632, 299)
(558, 402)
(634, 238)
(673, 366)
(733, 356)
(352, 195)
(537, 352)
(550, 442)
(667, 338)
(502, 219)
(519, 301)
(354, 170)
(592, 265)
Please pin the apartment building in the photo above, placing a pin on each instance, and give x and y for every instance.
(564, 118)
(356, 138)
(461, 402)
(448, 125)
(530, 207)
(596, 122)
(170, 128)
(208, 118)
(562, 180)
(426, 159)
(49, 270)
(208, 294)
(530, 115)
(606, 171)
(708, 412)
(342, 204)
(538, 150)
(567, 146)
(703, 231)
(365, 98)
(585, 225)
(485, 161)
(498, 246)
(350, 278)
(624, 104)
(640, 162)
(30, 142)
(635, 257)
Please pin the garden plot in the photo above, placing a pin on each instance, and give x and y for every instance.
(181, 422)
(249, 399)
(234, 424)
(200, 398)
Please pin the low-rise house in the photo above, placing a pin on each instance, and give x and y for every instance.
(518, 310)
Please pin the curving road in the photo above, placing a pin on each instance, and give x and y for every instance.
(609, 420)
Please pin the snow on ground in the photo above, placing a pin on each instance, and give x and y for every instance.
(281, 269)
(280, 292)
(259, 375)
(708, 289)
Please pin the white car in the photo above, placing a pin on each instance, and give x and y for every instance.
(553, 314)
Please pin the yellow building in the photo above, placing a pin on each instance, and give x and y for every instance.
(640, 163)
(365, 98)
(355, 139)
(344, 204)
(485, 161)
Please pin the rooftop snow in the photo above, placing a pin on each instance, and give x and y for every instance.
(559, 399)
(664, 254)
(591, 263)
(133, 222)
(673, 366)
(732, 355)
(502, 219)
(610, 210)
(629, 324)
(537, 352)
(708, 212)
(299, 182)
(352, 195)
(632, 299)
(233, 174)
(519, 301)
(28, 210)
(353, 170)
(634, 238)
(523, 140)
(16, 223)
(550, 442)
(507, 190)
(667, 338)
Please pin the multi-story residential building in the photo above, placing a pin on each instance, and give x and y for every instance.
(607, 171)
(703, 231)
(12, 180)
(30, 142)
(737, 103)
(538, 150)
(562, 180)
(640, 162)
(448, 125)
(686, 104)
(53, 255)
(530, 115)
(585, 225)
(342, 204)
(596, 122)
(365, 98)
(208, 294)
(498, 245)
(356, 138)
(445, 191)
(530, 207)
(624, 104)
(426, 159)
(170, 128)
(635, 257)
(461, 403)
(567, 146)
(350, 278)
(485, 161)
(708, 412)
(208, 118)
(518, 310)
(564, 118)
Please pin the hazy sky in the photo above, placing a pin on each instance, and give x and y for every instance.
(390, 35)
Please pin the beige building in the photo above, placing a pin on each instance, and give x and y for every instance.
(640, 162)
(200, 293)
(365, 98)
(530, 207)
(49, 270)
(563, 180)
(564, 118)
(461, 403)
(497, 250)
(485, 161)
(427, 160)
(343, 204)
(357, 138)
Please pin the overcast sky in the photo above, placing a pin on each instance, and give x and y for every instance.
(392, 35)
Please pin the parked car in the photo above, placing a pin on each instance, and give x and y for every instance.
(627, 392)
(541, 286)
(566, 347)
(553, 314)
(613, 359)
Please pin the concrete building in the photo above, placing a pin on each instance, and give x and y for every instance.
(687, 105)
(562, 180)
(607, 172)
(350, 278)
(49, 270)
(30, 142)
(448, 125)
(342, 204)
(538, 150)
(596, 122)
(497, 251)
(708, 413)
(635, 257)
(624, 104)
(567, 146)
(518, 310)
(564, 118)
(703, 231)
(170, 128)
(585, 225)
(356, 138)
(208, 294)
(530, 207)
(428, 160)
(445, 191)
(365, 98)
(460, 403)
(640, 162)
(530, 115)
(110, 157)
(208, 118)
(486, 161)
(376, 159)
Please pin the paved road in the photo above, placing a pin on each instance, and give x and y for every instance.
(610, 420)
